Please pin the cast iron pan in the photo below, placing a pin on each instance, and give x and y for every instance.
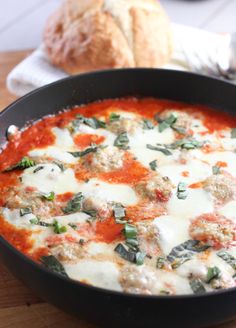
(108, 308)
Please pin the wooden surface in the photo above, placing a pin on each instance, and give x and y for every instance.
(19, 307)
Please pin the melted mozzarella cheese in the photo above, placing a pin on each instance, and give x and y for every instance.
(223, 156)
(197, 202)
(55, 153)
(64, 140)
(119, 193)
(50, 178)
(101, 274)
(229, 210)
(168, 226)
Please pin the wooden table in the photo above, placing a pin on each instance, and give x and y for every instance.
(19, 307)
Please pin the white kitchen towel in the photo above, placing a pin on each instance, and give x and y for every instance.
(36, 70)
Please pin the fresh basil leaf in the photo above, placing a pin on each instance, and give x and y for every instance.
(228, 258)
(167, 123)
(92, 122)
(38, 168)
(130, 231)
(163, 126)
(182, 192)
(75, 204)
(160, 262)
(92, 149)
(153, 165)
(233, 133)
(213, 273)
(24, 163)
(50, 196)
(114, 117)
(197, 286)
(179, 261)
(140, 256)
(25, 210)
(186, 143)
(92, 213)
(119, 211)
(125, 254)
(158, 148)
(215, 169)
(53, 264)
(147, 124)
(58, 229)
(37, 221)
(60, 165)
(122, 141)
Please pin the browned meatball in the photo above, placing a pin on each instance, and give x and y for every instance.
(124, 124)
(183, 120)
(68, 252)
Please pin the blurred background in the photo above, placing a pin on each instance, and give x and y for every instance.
(22, 21)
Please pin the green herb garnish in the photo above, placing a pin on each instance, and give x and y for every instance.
(147, 124)
(153, 165)
(53, 264)
(119, 213)
(186, 143)
(114, 117)
(58, 229)
(167, 123)
(50, 196)
(92, 149)
(182, 192)
(93, 122)
(215, 169)
(25, 210)
(160, 262)
(24, 163)
(213, 273)
(37, 221)
(125, 254)
(140, 256)
(228, 258)
(122, 141)
(38, 168)
(75, 204)
(130, 231)
(73, 226)
(161, 149)
(197, 286)
(60, 165)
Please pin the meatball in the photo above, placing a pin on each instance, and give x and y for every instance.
(138, 279)
(148, 236)
(68, 252)
(102, 209)
(183, 120)
(222, 187)
(213, 229)
(105, 159)
(157, 188)
(124, 124)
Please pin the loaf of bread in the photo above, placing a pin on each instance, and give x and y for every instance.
(84, 35)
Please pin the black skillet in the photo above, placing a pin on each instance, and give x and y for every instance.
(105, 307)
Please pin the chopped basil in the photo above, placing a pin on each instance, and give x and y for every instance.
(161, 149)
(233, 133)
(25, 210)
(153, 165)
(34, 220)
(122, 141)
(53, 264)
(180, 130)
(114, 117)
(140, 256)
(50, 196)
(125, 254)
(92, 149)
(212, 273)
(75, 204)
(91, 219)
(81, 241)
(185, 251)
(197, 286)
(58, 229)
(228, 258)
(60, 165)
(119, 212)
(37, 221)
(178, 261)
(182, 192)
(24, 163)
(93, 122)
(147, 124)
(167, 123)
(92, 213)
(38, 169)
(160, 262)
(215, 169)
(186, 143)
(73, 226)
(130, 231)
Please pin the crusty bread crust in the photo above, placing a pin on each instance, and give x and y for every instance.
(85, 35)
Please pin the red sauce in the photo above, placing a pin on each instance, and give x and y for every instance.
(64, 197)
(85, 140)
(108, 230)
(19, 238)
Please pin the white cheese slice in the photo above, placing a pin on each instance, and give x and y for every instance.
(172, 231)
(101, 274)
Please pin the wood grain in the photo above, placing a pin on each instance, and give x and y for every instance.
(19, 307)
